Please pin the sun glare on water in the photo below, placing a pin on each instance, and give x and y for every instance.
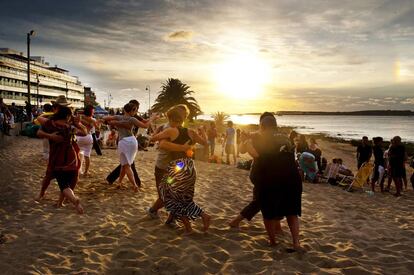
(242, 76)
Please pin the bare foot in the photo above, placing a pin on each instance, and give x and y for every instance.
(79, 207)
(135, 188)
(206, 221)
(188, 232)
(40, 197)
(235, 223)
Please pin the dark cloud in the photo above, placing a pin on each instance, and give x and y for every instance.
(180, 36)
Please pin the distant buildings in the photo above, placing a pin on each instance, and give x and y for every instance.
(90, 97)
(46, 82)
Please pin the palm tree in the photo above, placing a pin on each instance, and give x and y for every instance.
(219, 118)
(175, 92)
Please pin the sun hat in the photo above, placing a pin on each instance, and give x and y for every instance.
(61, 100)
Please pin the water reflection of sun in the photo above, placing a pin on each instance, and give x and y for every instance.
(243, 75)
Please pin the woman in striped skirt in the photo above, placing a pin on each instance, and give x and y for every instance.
(178, 184)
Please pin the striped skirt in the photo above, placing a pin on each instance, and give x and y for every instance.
(177, 189)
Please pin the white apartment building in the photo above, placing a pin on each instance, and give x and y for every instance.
(46, 82)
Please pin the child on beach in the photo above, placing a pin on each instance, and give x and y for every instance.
(64, 162)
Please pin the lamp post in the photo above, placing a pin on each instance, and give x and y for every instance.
(37, 87)
(148, 88)
(29, 34)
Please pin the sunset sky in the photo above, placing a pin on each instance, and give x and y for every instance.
(238, 56)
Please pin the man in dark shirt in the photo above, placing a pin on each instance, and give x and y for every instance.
(379, 163)
(397, 156)
(364, 152)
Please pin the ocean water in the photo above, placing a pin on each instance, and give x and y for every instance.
(346, 127)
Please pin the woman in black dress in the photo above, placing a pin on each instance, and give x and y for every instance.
(275, 174)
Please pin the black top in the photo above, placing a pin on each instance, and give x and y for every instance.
(396, 155)
(378, 155)
(276, 161)
(182, 138)
(275, 176)
(365, 152)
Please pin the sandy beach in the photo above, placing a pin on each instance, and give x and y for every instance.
(343, 233)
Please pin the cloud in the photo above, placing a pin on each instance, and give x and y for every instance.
(180, 36)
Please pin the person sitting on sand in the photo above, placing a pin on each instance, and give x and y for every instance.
(316, 151)
(64, 161)
(178, 185)
(302, 145)
(275, 174)
(112, 138)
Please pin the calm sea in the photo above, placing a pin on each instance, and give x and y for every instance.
(346, 127)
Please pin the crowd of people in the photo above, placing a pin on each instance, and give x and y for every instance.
(280, 162)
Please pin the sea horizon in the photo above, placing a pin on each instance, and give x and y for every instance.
(347, 127)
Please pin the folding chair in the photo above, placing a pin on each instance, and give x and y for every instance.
(362, 176)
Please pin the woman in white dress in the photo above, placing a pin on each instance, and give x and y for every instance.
(127, 144)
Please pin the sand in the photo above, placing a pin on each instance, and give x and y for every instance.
(344, 233)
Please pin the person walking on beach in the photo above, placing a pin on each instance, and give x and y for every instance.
(178, 185)
(64, 161)
(212, 135)
(379, 164)
(229, 142)
(127, 145)
(364, 152)
(114, 175)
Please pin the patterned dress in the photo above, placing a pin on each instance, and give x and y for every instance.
(177, 186)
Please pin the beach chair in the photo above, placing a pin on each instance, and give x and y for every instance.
(361, 176)
(331, 172)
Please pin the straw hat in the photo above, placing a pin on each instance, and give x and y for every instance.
(61, 100)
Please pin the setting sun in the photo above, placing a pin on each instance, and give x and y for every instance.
(243, 75)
